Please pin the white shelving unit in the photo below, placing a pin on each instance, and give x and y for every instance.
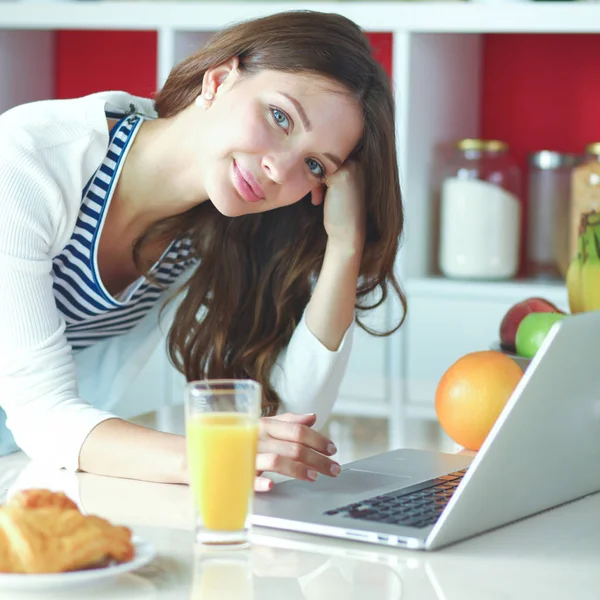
(437, 67)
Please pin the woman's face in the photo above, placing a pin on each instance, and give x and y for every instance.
(271, 138)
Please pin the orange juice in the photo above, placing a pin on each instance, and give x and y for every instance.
(221, 464)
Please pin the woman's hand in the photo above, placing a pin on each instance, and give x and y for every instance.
(344, 211)
(287, 445)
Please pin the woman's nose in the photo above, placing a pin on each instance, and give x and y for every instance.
(279, 167)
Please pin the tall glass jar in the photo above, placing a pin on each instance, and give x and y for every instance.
(585, 192)
(548, 213)
(480, 211)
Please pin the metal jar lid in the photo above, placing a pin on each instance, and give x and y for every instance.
(481, 145)
(549, 159)
(593, 148)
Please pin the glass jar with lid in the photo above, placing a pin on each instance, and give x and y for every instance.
(480, 211)
(548, 212)
(585, 192)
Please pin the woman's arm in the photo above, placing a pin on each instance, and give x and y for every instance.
(121, 449)
(38, 382)
(309, 371)
(331, 308)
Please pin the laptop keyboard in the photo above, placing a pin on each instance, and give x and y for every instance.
(418, 505)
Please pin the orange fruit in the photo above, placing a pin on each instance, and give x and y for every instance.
(472, 393)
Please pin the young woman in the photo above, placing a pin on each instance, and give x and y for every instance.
(259, 189)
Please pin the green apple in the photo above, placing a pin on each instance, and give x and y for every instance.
(532, 331)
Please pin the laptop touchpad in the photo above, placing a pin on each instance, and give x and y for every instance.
(352, 481)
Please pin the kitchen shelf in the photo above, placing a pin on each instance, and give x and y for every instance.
(426, 17)
(553, 290)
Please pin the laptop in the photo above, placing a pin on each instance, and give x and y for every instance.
(543, 451)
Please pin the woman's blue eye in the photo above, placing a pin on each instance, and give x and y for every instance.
(280, 118)
(315, 168)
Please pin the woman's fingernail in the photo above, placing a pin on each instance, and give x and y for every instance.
(331, 449)
(312, 474)
(265, 484)
(335, 469)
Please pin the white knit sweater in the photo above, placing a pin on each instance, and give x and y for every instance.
(48, 152)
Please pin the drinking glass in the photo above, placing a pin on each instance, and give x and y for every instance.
(221, 420)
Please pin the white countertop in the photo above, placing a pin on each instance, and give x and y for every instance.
(555, 554)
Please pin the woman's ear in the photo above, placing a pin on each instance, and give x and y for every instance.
(220, 77)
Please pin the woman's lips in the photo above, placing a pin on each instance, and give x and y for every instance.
(245, 184)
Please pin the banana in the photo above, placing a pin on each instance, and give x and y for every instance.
(590, 271)
(573, 279)
(591, 219)
(573, 276)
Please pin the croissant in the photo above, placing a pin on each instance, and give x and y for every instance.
(36, 498)
(44, 532)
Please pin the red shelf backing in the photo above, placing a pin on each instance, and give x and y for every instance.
(94, 61)
(540, 91)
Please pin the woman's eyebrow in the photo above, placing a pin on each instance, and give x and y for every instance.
(301, 113)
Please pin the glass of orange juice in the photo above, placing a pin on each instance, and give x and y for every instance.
(221, 421)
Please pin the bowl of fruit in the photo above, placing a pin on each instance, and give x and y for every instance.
(527, 323)
(524, 327)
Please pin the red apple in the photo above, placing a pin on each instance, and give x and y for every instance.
(514, 316)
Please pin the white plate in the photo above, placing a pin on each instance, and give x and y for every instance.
(144, 553)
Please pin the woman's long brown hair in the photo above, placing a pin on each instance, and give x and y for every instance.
(256, 272)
